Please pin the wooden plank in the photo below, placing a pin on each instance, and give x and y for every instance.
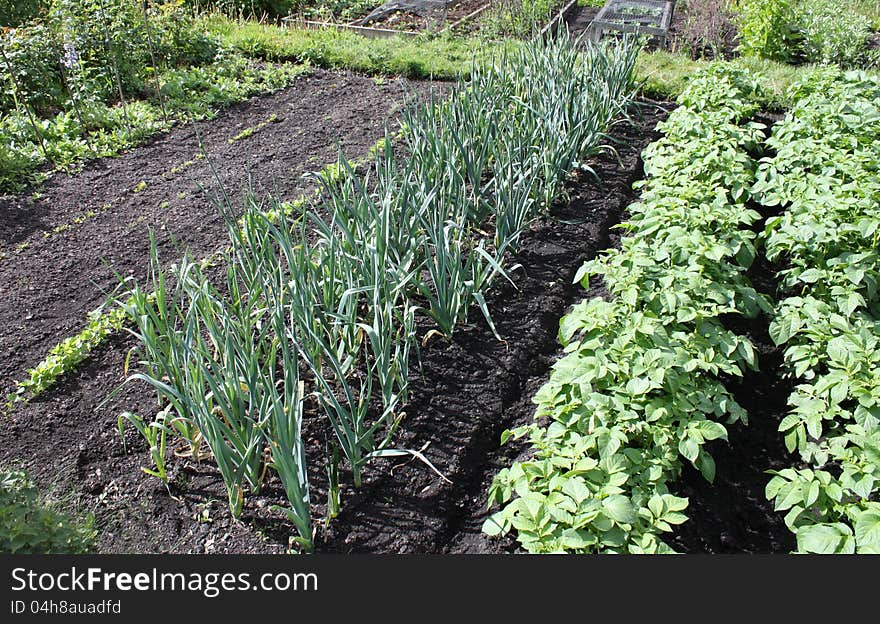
(471, 15)
(552, 24)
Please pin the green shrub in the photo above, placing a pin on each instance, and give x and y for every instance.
(31, 60)
(766, 28)
(815, 31)
(91, 48)
(247, 8)
(30, 525)
(832, 33)
(15, 12)
(113, 36)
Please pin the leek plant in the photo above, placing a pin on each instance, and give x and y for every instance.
(459, 269)
(213, 354)
(286, 447)
(515, 201)
(217, 348)
(155, 313)
(325, 304)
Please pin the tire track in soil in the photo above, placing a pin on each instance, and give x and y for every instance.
(47, 288)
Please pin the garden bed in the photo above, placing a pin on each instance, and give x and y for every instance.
(403, 22)
(439, 20)
(70, 442)
(65, 244)
(56, 240)
(471, 390)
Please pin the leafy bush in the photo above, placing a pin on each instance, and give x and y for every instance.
(92, 49)
(29, 525)
(821, 31)
(32, 61)
(518, 18)
(766, 28)
(15, 12)
(833, 34)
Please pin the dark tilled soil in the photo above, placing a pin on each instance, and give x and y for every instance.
(411, 21)
(732, 514)
(49, 281)
(472, 389)
(579, 18)
(477, 386)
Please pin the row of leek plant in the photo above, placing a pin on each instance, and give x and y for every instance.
(324, 305)
(824, 175)
(639, 390)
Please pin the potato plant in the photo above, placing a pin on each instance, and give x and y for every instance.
(639, 390)
(824, 176)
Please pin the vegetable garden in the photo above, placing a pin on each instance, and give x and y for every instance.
(488, 292)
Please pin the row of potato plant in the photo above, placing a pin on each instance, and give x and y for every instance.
(323, 306)
(824, 175)
(639, 390)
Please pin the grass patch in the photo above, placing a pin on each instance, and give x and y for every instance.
(425, 56)
(665, 75)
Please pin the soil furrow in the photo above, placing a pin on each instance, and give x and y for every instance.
(477, 386)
